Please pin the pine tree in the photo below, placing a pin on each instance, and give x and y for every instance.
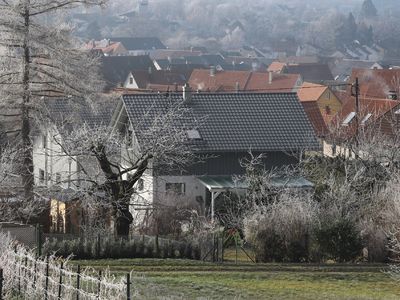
(39, 60)
(368, 9)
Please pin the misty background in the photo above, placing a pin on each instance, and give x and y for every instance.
(229, 24)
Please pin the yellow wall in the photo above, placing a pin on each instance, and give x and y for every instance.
(328, 98)
(58, 216)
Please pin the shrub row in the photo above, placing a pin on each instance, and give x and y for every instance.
(84, 248)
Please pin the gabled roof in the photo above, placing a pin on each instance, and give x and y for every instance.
(316, 73)
(229, 81)
(115, 69)
(159, 77)
(311, 91)
(276, 67)
(234, 122)
(377, 83)
(139, 43)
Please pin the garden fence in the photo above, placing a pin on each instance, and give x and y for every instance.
(23, 274)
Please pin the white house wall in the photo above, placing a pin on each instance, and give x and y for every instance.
(52, 161)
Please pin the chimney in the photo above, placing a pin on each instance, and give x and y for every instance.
(212, 71)
(270, 77)
(237, 87)
(187, 93)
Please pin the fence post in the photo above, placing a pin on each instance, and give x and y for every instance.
(99, 286)
(35, 272)
(128, 286)
(60, 281)
(25, 273)
(78, 282)
(1, 284)
(47, 278)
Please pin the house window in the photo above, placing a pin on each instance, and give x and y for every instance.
(130, 80)
(334, 149)
(140, 184)
(328, 110)
(176, 188)
(58, 178)
(41, 176)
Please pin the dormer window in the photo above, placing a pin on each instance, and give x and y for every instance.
(349, 119)
(131, 80)
(193, 134)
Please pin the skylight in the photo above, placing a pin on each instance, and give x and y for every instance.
(366, 118)
(193, 134)
(349, 118)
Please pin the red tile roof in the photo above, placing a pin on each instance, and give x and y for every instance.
(370, 111)
(311, 91)
(377, 83)
(276, 67)
(228, 81)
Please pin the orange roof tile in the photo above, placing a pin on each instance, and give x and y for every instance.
(311, 91)
(276, 67)
(228, 81)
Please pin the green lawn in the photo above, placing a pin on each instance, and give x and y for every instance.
(183, 279)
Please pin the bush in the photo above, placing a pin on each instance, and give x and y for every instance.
(339, 240)
(280, 231)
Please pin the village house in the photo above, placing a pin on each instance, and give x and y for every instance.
(154, 78)
(326, 100)
(139, 45)
(115, 69)
(313, 72)
(378, 108)
(273, 124)
(60, 175)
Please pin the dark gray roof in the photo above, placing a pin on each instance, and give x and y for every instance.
(235, 122)
(316, 73)
(115, 69)
(140, 43)
(68, 111)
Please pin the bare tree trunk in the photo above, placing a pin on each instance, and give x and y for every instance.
(27, 169)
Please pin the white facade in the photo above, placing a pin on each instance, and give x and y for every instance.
(51, 165)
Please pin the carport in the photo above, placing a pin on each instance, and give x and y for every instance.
(222, 184)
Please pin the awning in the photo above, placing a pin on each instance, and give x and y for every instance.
(225, 183)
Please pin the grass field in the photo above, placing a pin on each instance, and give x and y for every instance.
(183, 279)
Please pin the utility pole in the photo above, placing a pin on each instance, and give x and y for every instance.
(357, 94)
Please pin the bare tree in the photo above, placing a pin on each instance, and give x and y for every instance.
(110, 167)
(36, 61)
